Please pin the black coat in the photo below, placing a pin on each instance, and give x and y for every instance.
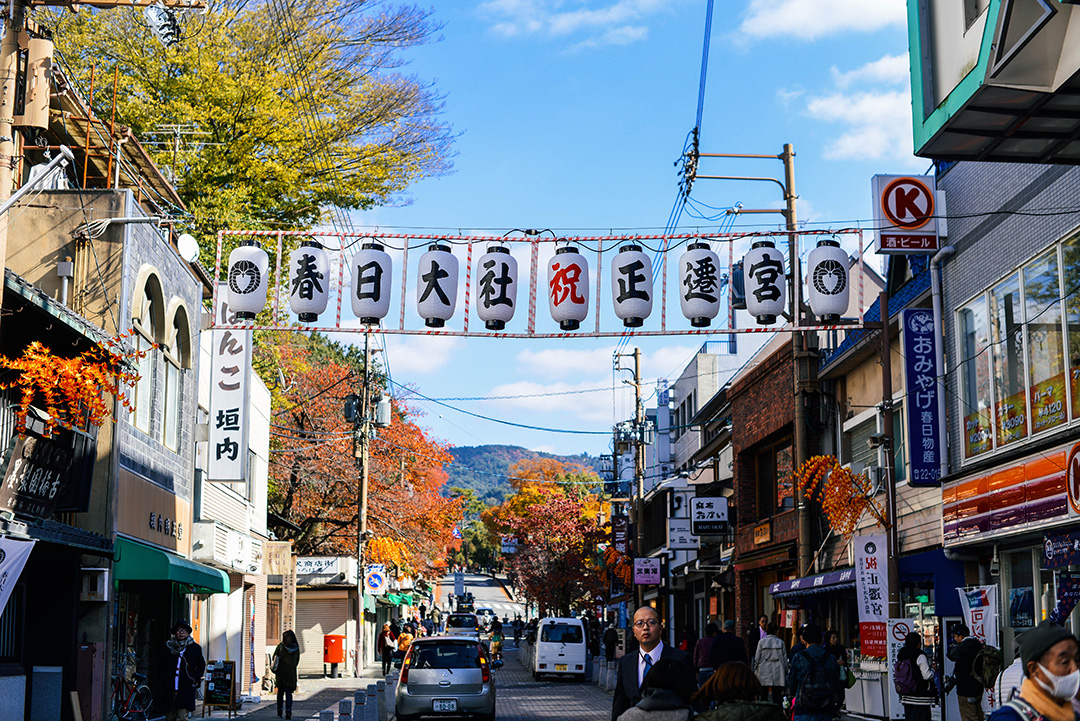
(963, 654)
(182, 674)
(627, 691)
(727, 647)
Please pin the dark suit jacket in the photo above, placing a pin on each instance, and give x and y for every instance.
(627, 691)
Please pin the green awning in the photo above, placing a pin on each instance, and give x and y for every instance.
(369, 602)
(406, 598)
(394, 598)
(136, 562)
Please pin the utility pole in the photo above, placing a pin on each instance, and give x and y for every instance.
(638, 440)
(361, 441)
(892, 541)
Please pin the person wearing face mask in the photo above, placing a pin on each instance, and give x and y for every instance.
(1051, 677)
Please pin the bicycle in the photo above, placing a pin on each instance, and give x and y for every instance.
(131, 698)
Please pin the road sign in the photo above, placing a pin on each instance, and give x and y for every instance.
(375, 580)
(904, 213)
(708, 515)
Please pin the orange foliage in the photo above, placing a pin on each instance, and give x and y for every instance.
(844, 497)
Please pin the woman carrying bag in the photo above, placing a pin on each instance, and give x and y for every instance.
(285, 660)
(913, 679)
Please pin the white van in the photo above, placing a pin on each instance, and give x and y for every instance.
(560, 648)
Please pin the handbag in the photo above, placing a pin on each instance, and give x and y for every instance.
(276, 663)
(850, 678)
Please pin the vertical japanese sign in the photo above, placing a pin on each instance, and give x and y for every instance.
(1068, 593)
(620, 534)
(872, 584)
(920, 339)
(13, 555)
(230, 359)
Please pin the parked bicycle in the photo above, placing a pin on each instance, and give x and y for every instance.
(131, 697)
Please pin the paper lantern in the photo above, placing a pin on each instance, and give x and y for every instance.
(309, 287)
(766, 287)
(827, 280)
(371, 270)
(568, 287)
(436, 287)
(248, 279)
(496, 286)
(631, 285)
(699, 283)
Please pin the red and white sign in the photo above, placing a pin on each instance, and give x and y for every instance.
(872, 586)
(1072, 480)
(904, 213)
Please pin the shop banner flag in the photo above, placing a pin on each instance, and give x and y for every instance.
(13, 555)
(277, 558)
(872, 584)
(1068, 593)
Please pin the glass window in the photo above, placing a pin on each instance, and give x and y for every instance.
(171, 415)
(1021, 590)
(975, 377)
(1045, 343)
(785, 485)
(561, 633)
(1007, 355)
(143, 395)
(1070, 259)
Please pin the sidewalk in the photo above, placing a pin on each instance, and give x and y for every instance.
(313, 695)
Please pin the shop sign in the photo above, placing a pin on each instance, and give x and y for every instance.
(646, 571)
(872, 585)
(904, 213)
(317, 564)
(714, 606)
(1068, 593)
(708, 515)
(762, 533)
(230, 366)
(509, 544)
(979, 606)
(921, 373)
(1022, 607)
(1061, 549)
(38, 469)
(277, 557)
(620, 534)
(680, 537)
(160, 523)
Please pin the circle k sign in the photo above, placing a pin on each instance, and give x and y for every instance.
(908, 202)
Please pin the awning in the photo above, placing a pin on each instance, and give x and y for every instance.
(136, 562)
(814, 584)
(394, 599)
(369, 602)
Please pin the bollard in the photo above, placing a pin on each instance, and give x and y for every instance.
(344, 709)
(612, 677)
(384, 707)
(327, 715)
(359, 699)
(602, 672)
(371, 710)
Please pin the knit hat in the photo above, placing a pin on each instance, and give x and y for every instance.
(1039, 640)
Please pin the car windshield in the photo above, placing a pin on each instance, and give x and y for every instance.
(561, 633)
(446, 655)
(461, 622)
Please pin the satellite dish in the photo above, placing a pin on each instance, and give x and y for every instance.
(188, 247)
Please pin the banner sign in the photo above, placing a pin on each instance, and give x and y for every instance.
(620, 534)
(979, 608)
(230, 367)
(872, 586)
(13, 555)
(646, 571)
(920, 339)
(708, 515)
(1068, 586)
(1061, 549)
(899, 628)
(277, 557)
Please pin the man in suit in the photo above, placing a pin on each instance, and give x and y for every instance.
(633, 667)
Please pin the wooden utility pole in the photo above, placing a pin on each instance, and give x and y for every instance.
(891, 538)
(362, 439)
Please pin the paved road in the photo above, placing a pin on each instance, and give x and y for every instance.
(486, 591)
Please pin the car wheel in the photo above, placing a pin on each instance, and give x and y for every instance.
(536, 675)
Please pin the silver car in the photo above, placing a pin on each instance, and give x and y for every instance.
(446, 676)
(462, 624)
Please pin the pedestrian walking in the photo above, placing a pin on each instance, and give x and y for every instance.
(813, 679)
(284, 662)
(665, 693)
(969, 690)
(701, 653)
(770, 665)
(519, 627)
(633, 667)
(1051, 677)
(384, 646)
(183, 671)
(913, 679)
(611, 642)
(733, 693)
(727, 647)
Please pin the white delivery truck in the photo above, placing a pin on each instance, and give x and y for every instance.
(560, 648)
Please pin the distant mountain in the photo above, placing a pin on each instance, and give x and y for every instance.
(484, 468)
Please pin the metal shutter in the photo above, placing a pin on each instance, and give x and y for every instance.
(316, 617)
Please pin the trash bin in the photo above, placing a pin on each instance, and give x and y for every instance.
(333, 653)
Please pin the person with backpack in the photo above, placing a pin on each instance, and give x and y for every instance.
(1051, 677)
(913, 679)
(969, 690)
(814, 679)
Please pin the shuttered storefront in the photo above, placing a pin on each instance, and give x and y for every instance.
(317, 615)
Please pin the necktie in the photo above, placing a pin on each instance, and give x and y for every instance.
(648, 665)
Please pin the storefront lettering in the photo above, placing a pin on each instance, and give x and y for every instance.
(167, 526)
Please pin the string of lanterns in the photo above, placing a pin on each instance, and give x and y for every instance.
(700, 283)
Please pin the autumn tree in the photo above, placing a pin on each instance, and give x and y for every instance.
(300, 105)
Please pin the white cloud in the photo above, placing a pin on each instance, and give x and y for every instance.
(877, 125)
(421, 354)
(613, 23)
(572, 407)
(553, 362)
(891, 70)
(812, 19)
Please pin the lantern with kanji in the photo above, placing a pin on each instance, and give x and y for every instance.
(766, 291)
(436, 287)
(827, 280)
(247, 278)
(568, 287)
(631, 285)
(699, 284)
(370, 290)
(309, 275)
(496, 286)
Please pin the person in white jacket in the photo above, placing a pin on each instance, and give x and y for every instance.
(770, 665)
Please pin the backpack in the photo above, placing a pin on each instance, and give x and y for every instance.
(987, 665)
(904, 679)
(816, 692)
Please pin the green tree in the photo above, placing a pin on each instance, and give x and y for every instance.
(303, 104)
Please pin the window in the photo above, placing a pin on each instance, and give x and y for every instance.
(561, 633)
(1070, 261)
(975, 378)
(1045, 343)
(146, 332)
(1007, 354)
(273, 621)
(775, 489)
(173, 397)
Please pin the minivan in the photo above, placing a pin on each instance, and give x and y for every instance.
(560, 648)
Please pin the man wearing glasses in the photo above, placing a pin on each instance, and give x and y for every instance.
(633, 667)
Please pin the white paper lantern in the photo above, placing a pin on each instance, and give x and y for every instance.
(827, 280)
(436, 285)
(766, 288)
(568, 287)
(699, 283)
(371, 269)
(309, 281)
(496, 287)
(248, 279)
(631, 285)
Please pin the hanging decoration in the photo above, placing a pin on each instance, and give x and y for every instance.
(371, 271)
(699, 283)
(631, 284)
(827, 280)
(766, 291)
(844, 496)
(436, 291)
(248, 267)
(496, 280)
(568, 287)
(309, 280)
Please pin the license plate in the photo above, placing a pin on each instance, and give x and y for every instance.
(444, 704)
(560, 667)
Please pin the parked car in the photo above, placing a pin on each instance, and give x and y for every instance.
(560, 648)
(446, 675)
(462, 624)
(486, 616)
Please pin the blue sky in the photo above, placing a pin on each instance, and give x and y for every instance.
(571, 114)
